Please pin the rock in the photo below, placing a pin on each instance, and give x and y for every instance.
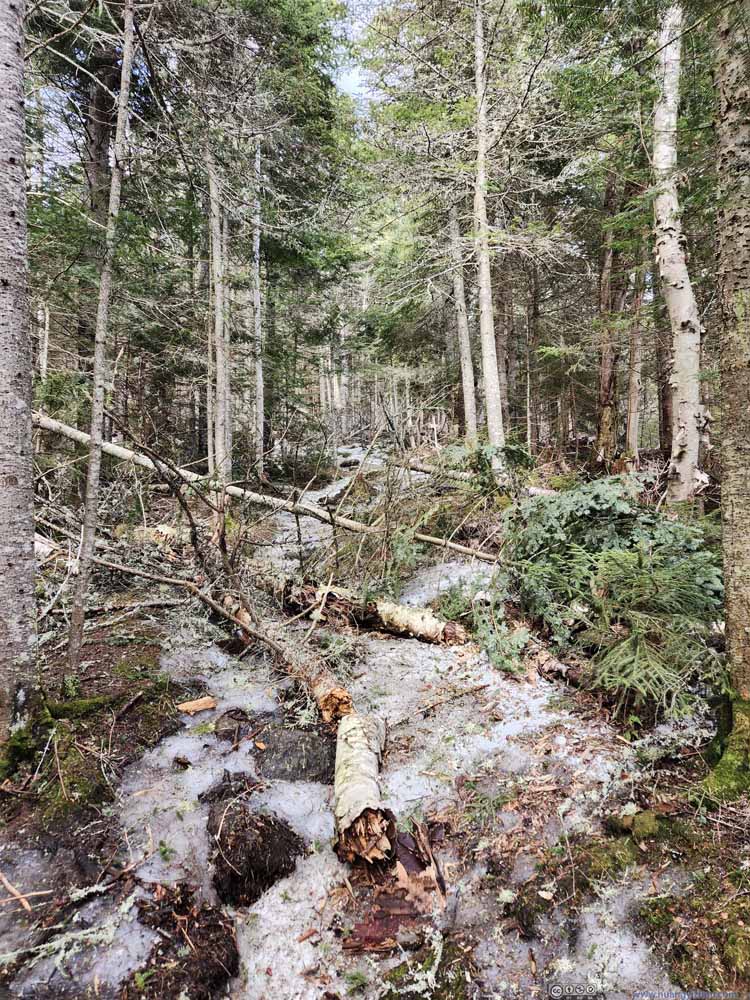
(292, 755)
(251, 852)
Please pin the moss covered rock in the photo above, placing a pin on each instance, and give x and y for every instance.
(730, 778)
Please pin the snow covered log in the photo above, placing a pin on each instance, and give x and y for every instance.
(364, 827)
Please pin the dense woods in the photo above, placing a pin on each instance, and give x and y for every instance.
(394, 356)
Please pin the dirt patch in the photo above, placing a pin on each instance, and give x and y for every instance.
(197, 953)
(252, 851)
(293, 755)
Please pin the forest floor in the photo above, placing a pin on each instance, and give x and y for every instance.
(571, 852)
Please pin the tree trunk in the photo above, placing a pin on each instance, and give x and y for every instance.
(43, 328)
(634, 377)
(663, 374)
(259, 411)
(17, 609)
(100, 349)
(687, 412)
(364, 827)
(502, 334)
(222, 458)
(492, 398)
(532, 339)
(611, 298)
(731, 777)
(468, 392)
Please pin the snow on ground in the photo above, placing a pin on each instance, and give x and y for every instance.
(451, 719)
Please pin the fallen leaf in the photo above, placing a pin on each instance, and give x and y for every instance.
(545, 895)
(199, 705)
(260, 745)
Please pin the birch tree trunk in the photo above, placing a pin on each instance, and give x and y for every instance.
(663, 374)
(259, 410)
(493, 403)
(731, 777)
(468, 391)
(100, 348)
(688, 418)
(17, 610)
(43, 328)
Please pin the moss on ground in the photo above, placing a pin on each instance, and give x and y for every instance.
(568, 879)
(77, 746)
(704, 936)
(437, 972)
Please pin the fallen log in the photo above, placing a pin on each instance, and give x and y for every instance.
(300, 661)
(309, 668)
(364, 827)
(469, 477)
(339, 603)
(303, 508)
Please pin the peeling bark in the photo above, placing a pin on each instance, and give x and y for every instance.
(689, 420)
(365, 828)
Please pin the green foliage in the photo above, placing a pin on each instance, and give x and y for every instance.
(486, 619)
(502, 644)
(635, 589)
(63, 395)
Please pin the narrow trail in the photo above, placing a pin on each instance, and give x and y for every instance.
(463, 739)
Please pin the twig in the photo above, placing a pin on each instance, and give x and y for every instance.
(126, 708)
(18, 896)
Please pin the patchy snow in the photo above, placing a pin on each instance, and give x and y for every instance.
(428, 584)
(452, 719)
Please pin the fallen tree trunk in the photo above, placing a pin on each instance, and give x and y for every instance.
(364, 827)
(301, 662)
(333, 701)
(469, 477)
(339, 603)
(301, 507)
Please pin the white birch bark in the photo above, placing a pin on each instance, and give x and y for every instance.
(259, 411)
(17, 611)
(492, 397)
(462, 329)
(688, 418)
(101, 344)
(43, 328)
